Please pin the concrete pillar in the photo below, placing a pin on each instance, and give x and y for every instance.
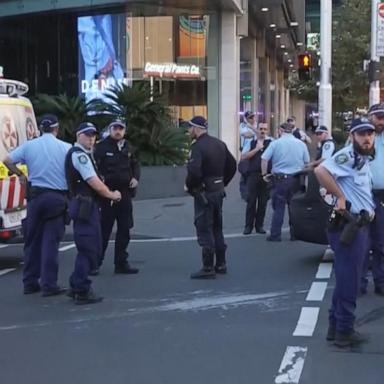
(229, 82)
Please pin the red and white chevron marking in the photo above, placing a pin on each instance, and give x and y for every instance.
(12, 193)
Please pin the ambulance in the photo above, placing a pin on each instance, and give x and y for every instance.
(17, 125)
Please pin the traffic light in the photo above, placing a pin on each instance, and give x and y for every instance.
(305, 65)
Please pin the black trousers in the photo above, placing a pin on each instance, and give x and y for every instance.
(209, 227)
(121, 212)
(257, 200)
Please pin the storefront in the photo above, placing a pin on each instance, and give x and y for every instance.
(85, 52)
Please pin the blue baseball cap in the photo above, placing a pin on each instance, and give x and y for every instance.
(249, 114)
(49, 120)
(199, 122)
(85, 127)
(377, 110)
(361, 124)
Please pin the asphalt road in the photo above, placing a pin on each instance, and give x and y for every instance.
(264, 322)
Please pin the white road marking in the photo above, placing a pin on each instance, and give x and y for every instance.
(328, 255)
(66, 247)
(317, 291)
(324, 271)
(3, 246)
(307, 321)
(5, 271)
(292, 365)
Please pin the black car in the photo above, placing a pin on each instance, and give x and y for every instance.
(309, 213)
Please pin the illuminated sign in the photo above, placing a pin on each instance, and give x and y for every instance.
(171, 70)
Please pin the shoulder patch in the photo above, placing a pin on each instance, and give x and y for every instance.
(83, 159)
(342, 158)
(327, 146)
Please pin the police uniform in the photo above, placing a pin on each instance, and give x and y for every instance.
(44, 225)
(327, 147)
(377, 226)
(210, 168)
(288, 156)
(257, 191)
(118, 166)
(84, 211)
(352, 174)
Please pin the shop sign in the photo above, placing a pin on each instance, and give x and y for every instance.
(171, 70)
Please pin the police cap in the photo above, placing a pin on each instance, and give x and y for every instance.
(361, 124)
(117, 123)
(86, 128)
(321, 129)
(377, 110)
(199, 122)
(286, 127)
(49, 120)
(249, 114)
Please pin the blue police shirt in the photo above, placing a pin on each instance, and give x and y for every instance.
(45, 159)
(246, 130)
(288, 154)
(377, 163)
(327, 150)
(354, 180)
(83, 164)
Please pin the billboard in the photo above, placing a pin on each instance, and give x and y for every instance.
(103, 53)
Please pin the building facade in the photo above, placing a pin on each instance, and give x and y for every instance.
(213, 58)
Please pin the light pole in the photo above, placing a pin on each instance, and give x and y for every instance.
(374, 86)
(325, 90)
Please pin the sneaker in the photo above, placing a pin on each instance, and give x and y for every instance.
(54, 292)
(204, 273)
(349, 339)
(86, 298)
(221, 269)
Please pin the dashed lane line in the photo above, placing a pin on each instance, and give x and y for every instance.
(292, 365)
(307, 321)
(5, 271)
(317, 291)
(324, 271)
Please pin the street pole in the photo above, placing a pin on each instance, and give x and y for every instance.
(374, 87)
(325, 90)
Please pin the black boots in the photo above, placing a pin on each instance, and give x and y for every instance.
(208, 271)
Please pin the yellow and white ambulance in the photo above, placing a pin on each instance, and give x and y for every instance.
(17, 124)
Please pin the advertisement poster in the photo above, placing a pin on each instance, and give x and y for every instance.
(103, 53)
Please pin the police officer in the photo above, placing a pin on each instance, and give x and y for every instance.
(326, 145)
(257, 190)
(44, 225)
(297, 132)
(288, 156)
(346, 175)
(120, 171)
(210, 168)
(376, 116)
(85, 187)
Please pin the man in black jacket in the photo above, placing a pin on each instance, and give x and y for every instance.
(121, 171)
(210, 168)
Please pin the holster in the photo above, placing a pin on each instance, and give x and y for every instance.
(85, 207)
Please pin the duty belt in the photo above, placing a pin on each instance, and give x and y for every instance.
(214, 184)
(282, 176)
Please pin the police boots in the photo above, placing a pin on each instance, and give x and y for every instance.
(207, 272)
(221, 266)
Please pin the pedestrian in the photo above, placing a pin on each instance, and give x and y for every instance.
(347, 176)
(44, 225)
(257, 188)
(376, 116)
(85, 188)
(326, 145)
(120, 171)
(288, 156)
(247, 134)
(210, 168)
(297, 132)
